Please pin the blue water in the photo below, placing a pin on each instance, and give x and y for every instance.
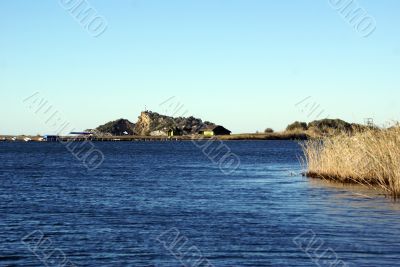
(146, 195)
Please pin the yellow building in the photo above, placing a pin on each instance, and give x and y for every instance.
(208, 133)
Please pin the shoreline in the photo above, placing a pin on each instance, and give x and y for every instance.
(339, 179)
(130, 138)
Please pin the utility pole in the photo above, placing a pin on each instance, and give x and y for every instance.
(369, 122)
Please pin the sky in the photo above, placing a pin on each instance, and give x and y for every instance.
(244, 64)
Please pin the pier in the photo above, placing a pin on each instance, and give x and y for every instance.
(134, 138)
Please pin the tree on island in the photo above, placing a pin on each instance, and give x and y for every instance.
(297, 125)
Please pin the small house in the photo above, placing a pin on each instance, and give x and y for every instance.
(214, 130)
(158, 133)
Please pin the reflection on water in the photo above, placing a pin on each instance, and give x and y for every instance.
(356, 195)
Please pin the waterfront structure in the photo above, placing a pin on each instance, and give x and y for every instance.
(51, 138)
(210, 131)
(174, 132)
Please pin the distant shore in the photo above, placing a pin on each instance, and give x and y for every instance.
(232, 137)
(113, 131)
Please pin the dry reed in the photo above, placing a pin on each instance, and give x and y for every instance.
(370, 157)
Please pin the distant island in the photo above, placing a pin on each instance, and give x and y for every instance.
(154, 124)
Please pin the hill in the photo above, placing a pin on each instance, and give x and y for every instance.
(118, 127)
(149, 121)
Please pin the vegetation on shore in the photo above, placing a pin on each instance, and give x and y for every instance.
(326, 127)
(118, 127)
(368, 156)
(286, 135)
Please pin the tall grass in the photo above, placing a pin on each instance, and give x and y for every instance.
(370, 157)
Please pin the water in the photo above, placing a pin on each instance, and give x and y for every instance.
(118, 214)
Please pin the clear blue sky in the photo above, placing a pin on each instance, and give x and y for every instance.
(240, 63)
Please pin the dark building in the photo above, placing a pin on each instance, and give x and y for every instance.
(214, 130)
(174, 132)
